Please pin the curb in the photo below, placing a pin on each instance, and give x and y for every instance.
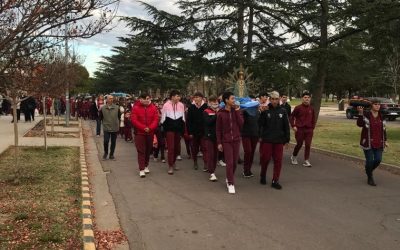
(87, 222)
(388, 167)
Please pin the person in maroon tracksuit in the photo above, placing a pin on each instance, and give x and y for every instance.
(195, 126)
(373, 137)
(210, 137)
(303, 122)
(229, 125)
(275, 133)
(144, 117)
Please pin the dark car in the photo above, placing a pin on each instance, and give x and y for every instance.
(389, 109)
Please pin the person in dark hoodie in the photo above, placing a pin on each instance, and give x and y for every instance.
(195, 127)
(250, 137)
(229, 125)
(373, 137)
(275, 133)
(210, 137)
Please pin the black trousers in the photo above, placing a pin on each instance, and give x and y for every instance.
(107, 137)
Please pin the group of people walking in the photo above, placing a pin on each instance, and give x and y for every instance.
(217, 125)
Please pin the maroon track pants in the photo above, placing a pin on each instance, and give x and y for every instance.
(211, 155)
(198, 144)
(144, 144)
(174, 145)
(303, 135)
(128, 133)
(268, 151)
(249, 147)
(231, 155)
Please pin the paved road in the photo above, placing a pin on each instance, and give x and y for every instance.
(332, 114)
(328, 206)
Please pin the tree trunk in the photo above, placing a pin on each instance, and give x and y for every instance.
(317, 87)
(15, 119)
(249, 49)
(52, 117)
(240, 32)
(45, 122)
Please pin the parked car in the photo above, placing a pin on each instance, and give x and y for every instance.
(389, 109)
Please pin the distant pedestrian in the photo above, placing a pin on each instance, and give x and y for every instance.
(286, 105)
(99, 105)
(110, 115)
(229, 124)
(144, 117)
(303, 123)
(210, 136)
(373, 137)
(173, 120)
(275, 133)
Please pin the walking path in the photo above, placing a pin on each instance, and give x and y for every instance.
(329, 206)
(7, 135)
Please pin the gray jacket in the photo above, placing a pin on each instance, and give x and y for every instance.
(110, 116)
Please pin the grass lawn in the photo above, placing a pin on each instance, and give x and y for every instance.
(298, 101)
(345, 138)
(43, 211)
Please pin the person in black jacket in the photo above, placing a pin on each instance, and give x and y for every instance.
(275, 133)
(210, 137)
(286, 105)
(195, 127)
(250, 138)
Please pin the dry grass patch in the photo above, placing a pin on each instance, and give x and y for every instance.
(44, 210)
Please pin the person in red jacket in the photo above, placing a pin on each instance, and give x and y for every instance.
(303, 122)
(229, 125)
(144, 117)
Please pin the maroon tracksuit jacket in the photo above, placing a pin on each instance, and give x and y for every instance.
(229, 125)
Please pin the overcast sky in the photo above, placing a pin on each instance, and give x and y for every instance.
(94, 48)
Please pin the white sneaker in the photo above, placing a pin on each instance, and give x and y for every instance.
(294, 160)
(163, 161)
(179, 158)
(155, 159)
(142, 174)
(231, 189)
(222, 163)
(213, 177)
(307, 164)
(200, 154)
(147, 170)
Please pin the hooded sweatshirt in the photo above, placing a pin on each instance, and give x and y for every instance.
(195, 121)
(173, 117)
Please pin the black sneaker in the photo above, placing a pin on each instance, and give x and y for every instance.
(112, 157)
(371, 181)
(276, 185)
(263, 180)
(248, 174)
(105, 156)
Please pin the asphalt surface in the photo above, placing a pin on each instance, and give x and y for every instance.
(328, 206)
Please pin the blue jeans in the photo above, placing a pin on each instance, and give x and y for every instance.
(373, 158)
(98, 126)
